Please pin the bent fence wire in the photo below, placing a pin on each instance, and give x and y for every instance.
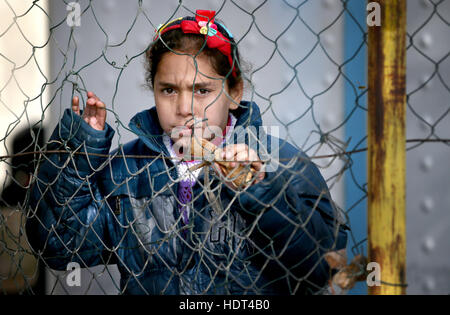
(212, 243)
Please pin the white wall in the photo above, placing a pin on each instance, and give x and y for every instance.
(20, 78)
(23, 71)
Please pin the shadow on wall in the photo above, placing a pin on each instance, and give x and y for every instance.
(20, 271)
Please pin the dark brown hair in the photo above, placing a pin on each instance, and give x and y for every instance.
(176, 40)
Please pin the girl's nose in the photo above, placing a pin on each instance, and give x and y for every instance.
(184, 104)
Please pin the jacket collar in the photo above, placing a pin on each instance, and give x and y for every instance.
(146, 124)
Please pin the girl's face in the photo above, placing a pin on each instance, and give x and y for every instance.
(188, 98)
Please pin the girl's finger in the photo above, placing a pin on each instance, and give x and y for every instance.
(260, 177)
(92, 95)
(257, 166)
(243, 157)
(231, 150)
(88, 108)
(255, 161)
(91, 101)
(101, 112)
(76, 105)
(100, 105)
(260, 171)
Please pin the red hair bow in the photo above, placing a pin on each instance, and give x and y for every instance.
(203, 24)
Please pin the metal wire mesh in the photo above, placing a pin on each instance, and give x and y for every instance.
(82, 206)
(417, 44)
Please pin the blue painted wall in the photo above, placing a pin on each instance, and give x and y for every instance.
(355, 55)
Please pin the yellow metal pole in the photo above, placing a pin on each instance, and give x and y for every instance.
(387, 147)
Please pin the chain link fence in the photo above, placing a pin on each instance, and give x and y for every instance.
(428, 70)
(418, 45)
(70, 204)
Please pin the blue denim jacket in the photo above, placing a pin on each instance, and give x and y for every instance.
(121, 208)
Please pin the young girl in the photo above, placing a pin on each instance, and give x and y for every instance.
(171, 225)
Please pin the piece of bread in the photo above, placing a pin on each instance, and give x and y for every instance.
(239, 175)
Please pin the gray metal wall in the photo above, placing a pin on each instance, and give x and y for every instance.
(428, 167)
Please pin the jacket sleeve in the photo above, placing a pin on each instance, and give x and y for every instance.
(66, 222)
(295, 223)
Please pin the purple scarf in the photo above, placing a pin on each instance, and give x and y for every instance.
(185, 186)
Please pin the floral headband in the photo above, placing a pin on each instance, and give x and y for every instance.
(203, 23)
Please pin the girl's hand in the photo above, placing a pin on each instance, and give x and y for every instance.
(241, 154)
(95, 112)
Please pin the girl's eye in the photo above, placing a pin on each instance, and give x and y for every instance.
(168, 91)
(202, 91)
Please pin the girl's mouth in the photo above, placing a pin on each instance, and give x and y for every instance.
(184, 131)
